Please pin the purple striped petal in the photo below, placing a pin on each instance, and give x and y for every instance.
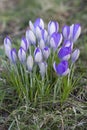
(62, 68)
(66, 32)
(7, 41)
(68, 43)
(75, 55)
(53, 26)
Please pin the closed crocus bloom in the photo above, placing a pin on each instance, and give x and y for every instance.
(7, 46)
(43, 67)
(75, 31)
(62, 68)
(24, 44)
(22, 55)
(30, 37)
(44, 35)
(13, 56)
(46, 52)
(38, 33)
(64, 53)
(53, 26)
(38, 55)
(66, 32)
(75, 55)
(39, 22)
(30, 63)
(41, 44)
(55, 40)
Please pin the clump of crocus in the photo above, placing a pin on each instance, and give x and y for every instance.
(38, 43)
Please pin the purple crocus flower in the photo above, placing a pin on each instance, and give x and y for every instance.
(68, 43)
(7, 45)
(39, 22)
(38, 55)
(30, 63)
(46, 52)
(66, 32)
(43, 67)
(55, 40)
(64, 53)
(30, 37)
(62, 68)
(75, 55)
(22, 55)
(13, 56)
(75, 31)
(53, 26)
(24, 44)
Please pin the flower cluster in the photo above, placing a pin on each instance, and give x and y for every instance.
(38, 43)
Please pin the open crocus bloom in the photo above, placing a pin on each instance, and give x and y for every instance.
(13, 56)
(53, 26)
(38, 55)
(75, 55)
(64, 53)
(22, 55)
(62, 68)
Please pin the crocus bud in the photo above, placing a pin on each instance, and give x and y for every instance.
(53, 26)
(75, 31)
(22, 55)
(38, 32)
(30, 37)
(41, 44)
(7, 46)
(66, 32)
(55, 40)
(39, 22)
(30, 63)
(75, 55)
(64, 53)
(13, 56)
(46, 52)
(31, 26)
(62, 68)
(38, 55)
(24, 44)
(43, 67)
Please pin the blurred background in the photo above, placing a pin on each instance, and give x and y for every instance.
(15, 14)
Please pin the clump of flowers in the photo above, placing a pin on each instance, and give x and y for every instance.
(39, 48)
